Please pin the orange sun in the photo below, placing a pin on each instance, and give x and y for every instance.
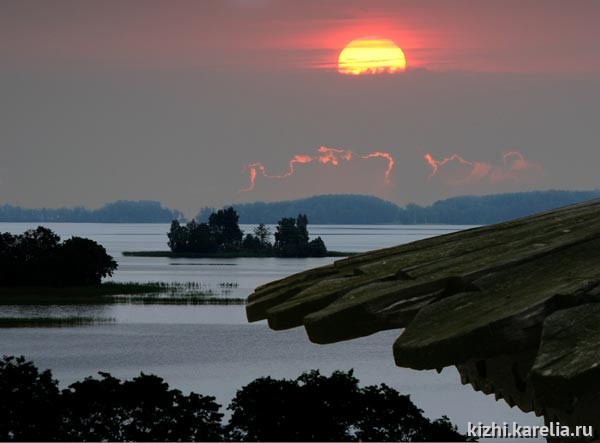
(371, 55)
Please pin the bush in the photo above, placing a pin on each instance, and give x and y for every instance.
(38, 258)
(316, 248)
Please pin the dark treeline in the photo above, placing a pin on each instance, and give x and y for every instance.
(487, 209)
(324, 209)
(364, 209)
(312, 407)
(222, 233)
(116, 212)
(38, 258)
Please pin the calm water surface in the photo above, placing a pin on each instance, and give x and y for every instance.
(212, 349)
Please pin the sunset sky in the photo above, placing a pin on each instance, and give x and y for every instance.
(176, 100)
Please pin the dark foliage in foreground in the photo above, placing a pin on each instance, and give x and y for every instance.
(28, 402)
(33, 409)
(142, 409)
(318, 408)
(312, 407)
(38, 258)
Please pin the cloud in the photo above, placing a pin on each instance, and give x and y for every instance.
(456, 170)
(324, 156)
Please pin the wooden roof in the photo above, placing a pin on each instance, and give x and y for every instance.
(528, 285)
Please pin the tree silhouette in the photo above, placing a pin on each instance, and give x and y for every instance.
(38, 258)
(312, 407)
(302, 226)
(223, 234)
(292, 240)
(200, 238)
(316, 248)
(177, 237)
(263, 234)
(193, 237)
(142, 409)
(83, 262)
(28, 402)
(318, 408)
(224, 228)
(251, 243)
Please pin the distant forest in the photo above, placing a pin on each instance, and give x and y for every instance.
(364, 209)
(145, 211)
(324, 209)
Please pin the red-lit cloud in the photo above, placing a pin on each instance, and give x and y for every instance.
(388, 157)
(514, 168)
(333, 156)
(324, 156)
(453, 170)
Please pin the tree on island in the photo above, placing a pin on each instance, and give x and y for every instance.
(225, 230)
(38, 258)
(259, 241)
(223, 234)
(263, 234)
(192, 237)
(292, 240)
(312, 407)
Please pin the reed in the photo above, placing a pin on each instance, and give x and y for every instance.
(116, 292)
(51, 322)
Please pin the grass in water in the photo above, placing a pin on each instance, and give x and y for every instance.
(51, 322)
(228, 284)
(178, 300)
(115, 292)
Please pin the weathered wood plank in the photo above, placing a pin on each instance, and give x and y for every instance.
(505, 315)
(568, 360)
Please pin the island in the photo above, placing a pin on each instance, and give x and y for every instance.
(221, 237)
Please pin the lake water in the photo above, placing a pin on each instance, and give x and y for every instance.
(212, 349)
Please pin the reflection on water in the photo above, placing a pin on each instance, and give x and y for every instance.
(55, 311)
(134, 313)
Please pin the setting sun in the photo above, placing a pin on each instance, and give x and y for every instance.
(371, 55)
